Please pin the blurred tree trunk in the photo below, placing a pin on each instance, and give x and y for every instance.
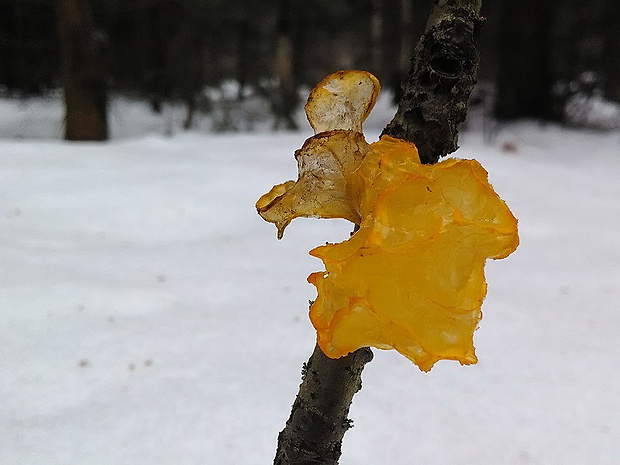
(525, 75)
(612, 50)
(155, 50)
(405, 46)
(436, 91)
(406, 36)
(404, 23)
(285, 101)
(376, 38)
(243, 58)
(300, 32)
(193, 77)
(83, 71)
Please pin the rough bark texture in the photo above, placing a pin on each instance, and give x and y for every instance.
(435, 97)
(313, 434)
(442, 75)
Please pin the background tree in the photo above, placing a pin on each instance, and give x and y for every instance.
(525, 76)
(611, 63)
(28, 47)
(284, 102)
(83, 70)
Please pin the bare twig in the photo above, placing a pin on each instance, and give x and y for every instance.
(319, 419)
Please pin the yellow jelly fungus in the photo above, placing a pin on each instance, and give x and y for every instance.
(342, 100)
(326, 163)
(412, 277)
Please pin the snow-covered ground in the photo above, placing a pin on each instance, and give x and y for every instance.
(149, 316)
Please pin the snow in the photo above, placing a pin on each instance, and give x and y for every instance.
(592, 111)
(149, 316)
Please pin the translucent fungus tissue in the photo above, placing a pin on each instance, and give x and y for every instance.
(412, 277)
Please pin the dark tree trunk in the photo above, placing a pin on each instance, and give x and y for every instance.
(405, 47)
(376, 37)
(525, 75)
(285, 100)
(84, 72)
(156, 58)
(192, 78)
(442, 76)
(191, 105)
(243, 38)
(408, 18)
(611, 63)
(300, 34)
(28, 51)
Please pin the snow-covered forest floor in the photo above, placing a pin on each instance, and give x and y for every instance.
(149, 316)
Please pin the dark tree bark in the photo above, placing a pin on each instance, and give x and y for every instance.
(442, 75)
(83, 69)
(319, 418)
(434, 103)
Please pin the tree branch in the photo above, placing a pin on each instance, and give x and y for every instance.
(442, 75)
(434, 103)
(313, 434)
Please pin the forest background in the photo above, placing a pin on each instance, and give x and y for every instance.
(536, 55)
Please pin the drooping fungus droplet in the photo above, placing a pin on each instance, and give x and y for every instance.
(412, 277)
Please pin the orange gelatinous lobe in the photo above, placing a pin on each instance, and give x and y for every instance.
(412, 277)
